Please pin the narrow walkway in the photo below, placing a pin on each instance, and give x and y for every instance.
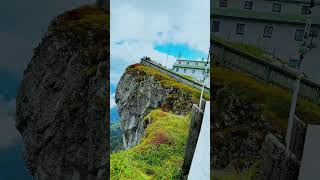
(200, 166)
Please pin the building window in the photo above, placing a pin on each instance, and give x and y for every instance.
(299, 35)
(193, 71)
(240, 28)
(305, 10)
(187, 62)
(179, 62)
(276, 7)
(196, 63)
(177, 69)
(216, 26)
(314, 33)
(248, 5)
(184, 70)
(223, 3)
(268, 31)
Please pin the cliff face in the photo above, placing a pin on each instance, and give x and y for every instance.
(61, 103)
(138, 92)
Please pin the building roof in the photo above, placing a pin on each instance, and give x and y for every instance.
(190, 66)
(263, 16)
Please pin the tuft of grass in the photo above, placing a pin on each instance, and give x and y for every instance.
(167, 81)
(275, 102)
(160, 153)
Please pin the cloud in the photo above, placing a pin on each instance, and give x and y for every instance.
(8, 132)
(137, 26)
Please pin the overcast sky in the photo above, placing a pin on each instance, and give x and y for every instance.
(156, 28)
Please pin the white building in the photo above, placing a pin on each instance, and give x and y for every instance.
(193, 68)
(276, 26)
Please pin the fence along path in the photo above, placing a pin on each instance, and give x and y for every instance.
(178, 77)
(236, 59)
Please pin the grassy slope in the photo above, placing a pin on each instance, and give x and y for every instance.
(274, 100)
(168, 81)
(160, 153)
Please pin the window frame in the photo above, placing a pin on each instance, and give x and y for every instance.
(267, 33)
(305, 11)
(273, 7)
(243, 30)
(245, 3)
(296, 34)
(314, 33)
(214, 23)
(224, 3)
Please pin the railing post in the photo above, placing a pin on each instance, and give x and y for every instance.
(194, 131)
(268, 73)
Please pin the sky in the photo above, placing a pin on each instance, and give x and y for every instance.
(157, 29)
(23, 24)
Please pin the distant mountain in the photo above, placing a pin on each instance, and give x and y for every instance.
(12, 166)
(116, 137)
(114, 115)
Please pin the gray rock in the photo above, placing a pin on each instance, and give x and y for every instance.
(61, 107)
(277, 162)
(137, 94)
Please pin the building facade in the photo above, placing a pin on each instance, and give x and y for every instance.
(193, 68)
(276, 26)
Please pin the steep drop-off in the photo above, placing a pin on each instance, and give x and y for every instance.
(61, 103)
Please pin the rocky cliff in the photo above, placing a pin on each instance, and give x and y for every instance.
(142, 89)
(61, 103)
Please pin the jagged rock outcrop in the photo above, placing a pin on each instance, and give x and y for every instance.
(139, 92)
(61, 104)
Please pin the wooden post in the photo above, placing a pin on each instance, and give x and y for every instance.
(194, 131)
